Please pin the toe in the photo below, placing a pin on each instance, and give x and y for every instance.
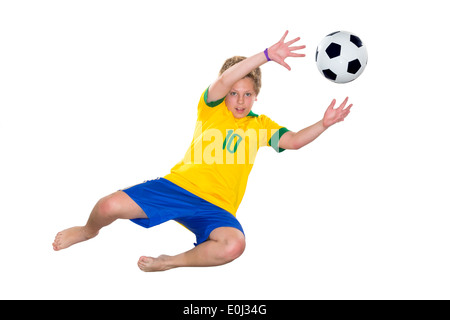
(143, 259)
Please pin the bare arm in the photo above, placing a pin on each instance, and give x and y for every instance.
(223, 84)
(297, 140)
(278, 53)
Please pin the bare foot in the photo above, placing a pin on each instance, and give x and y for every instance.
(149, 264)
(68, 237)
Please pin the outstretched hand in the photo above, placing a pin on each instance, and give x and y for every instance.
(333, 115)
(281, 50)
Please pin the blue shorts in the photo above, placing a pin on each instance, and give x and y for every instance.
(162, 200)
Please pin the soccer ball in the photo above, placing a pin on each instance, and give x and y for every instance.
(341, 57)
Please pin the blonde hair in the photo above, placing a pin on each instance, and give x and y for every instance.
(255, 75)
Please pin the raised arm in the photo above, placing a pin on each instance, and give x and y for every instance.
(278, 53)
(297, 140)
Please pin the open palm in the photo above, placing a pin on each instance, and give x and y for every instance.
(333, 115)
(281, 50)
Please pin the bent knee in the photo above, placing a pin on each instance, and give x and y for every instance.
(108, 207)
(233, 248)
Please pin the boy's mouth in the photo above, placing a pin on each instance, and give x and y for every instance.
(240, 110)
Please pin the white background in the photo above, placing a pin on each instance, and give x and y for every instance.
(100, 95)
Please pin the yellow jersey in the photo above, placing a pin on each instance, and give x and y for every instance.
(221, 155)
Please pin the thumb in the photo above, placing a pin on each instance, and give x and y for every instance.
(331, 106)
(284, 64)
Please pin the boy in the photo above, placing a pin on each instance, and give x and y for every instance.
(204, 190)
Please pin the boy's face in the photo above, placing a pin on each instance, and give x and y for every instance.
(241, 97)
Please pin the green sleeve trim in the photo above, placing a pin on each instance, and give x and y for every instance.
(211, 104)
(252, 114)
(275, 140)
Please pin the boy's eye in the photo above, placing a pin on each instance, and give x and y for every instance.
(247, 94)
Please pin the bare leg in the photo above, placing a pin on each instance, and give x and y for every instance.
(115, 206)
(224, 245)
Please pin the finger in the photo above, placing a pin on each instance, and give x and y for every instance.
(297, 55)
(343, 103)
(284, 37)
(345, 113)
(331, 106)
(349, 107)
(333, 103)
(297, 48)
(284, 64)
(292, 41)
